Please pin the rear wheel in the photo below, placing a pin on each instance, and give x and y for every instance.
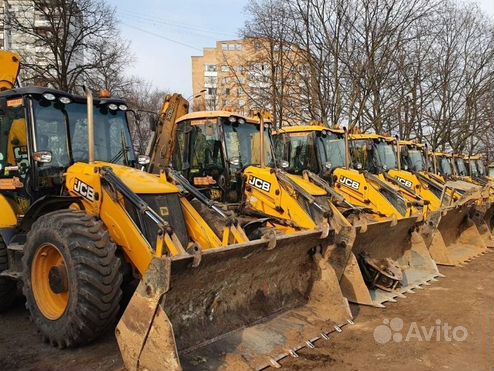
(72, 278)
(8, 287)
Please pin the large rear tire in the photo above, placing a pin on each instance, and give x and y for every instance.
(8, 287)
(72, 278)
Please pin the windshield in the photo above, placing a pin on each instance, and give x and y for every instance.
(414, 158)
(298, 150)
(480, 167)
(445, 166)
(374, 156)
(331, 149)
(243, 141)
(56, 123)
(198, 148)
(460, 165)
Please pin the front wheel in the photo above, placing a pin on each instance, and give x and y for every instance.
(72, 278)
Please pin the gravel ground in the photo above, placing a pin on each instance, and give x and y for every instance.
(463, 300)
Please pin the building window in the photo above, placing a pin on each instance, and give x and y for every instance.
(226, 80)
(210, 80)
(238, 47)
(211, 91)
(210, 67)
(240, 92)
(241, 102)
(225, 68)
(224, 46)
(227, 91)
(231, 46)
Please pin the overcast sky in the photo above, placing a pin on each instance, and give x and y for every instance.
(165, 34)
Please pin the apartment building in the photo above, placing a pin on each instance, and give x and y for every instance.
(30, 51)
(240, 75)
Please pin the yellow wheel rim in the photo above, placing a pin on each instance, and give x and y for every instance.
(52, 298)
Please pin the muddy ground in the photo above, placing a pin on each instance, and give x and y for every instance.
(464, 298)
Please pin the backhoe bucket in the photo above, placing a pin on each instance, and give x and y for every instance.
(456, 239)
(387, 240)
(243, 307)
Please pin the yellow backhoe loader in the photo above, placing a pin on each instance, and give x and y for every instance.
(478, 172)
(446, 166)
(451, 210)
(229, 158)
(324, 153)
(78, 219)
(452, 239)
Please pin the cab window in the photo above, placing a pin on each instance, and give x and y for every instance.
(14, 158)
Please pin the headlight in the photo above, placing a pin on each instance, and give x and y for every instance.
(122, 107)
(232, 119)
(241, 121)
(113, 106)
(64, 100)
(49, 96)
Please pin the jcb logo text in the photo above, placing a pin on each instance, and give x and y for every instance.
(405, 182)
(259, 183)
(83, 189)
(349, 183)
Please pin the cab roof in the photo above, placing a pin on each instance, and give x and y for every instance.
(363, 136)
(306, 128)
(37, 90)
(442, 154)
(214, 114)
(411, 143)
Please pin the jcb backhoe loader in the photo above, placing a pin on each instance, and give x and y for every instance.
(221, 153)
(78, 219)
(448, 172)
(453, 238)
(477, 170)
(450, 209)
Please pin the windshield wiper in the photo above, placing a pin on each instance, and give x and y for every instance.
(124, 151)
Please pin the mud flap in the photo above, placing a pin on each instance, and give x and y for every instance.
(456, 239)
(244, 307)
(400, 243)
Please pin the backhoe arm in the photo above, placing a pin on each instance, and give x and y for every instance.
(160, 146)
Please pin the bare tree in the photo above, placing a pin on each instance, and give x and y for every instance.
(74, 39)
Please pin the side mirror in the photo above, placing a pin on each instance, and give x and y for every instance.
(143, 160)
(235, 161)
(328, 165)
(43, 157)
(358, 166)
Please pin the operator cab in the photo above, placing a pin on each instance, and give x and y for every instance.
(212, 149)
(316, 148)
(444, 164)
(43, 131)
(373, 153)
(413, 157)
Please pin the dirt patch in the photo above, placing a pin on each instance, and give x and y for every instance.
(464, 298)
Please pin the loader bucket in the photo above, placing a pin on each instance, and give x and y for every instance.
(243, 307)
(480, 216)
(398, 241)
(455, 238)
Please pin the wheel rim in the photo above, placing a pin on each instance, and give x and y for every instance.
(52, 297)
